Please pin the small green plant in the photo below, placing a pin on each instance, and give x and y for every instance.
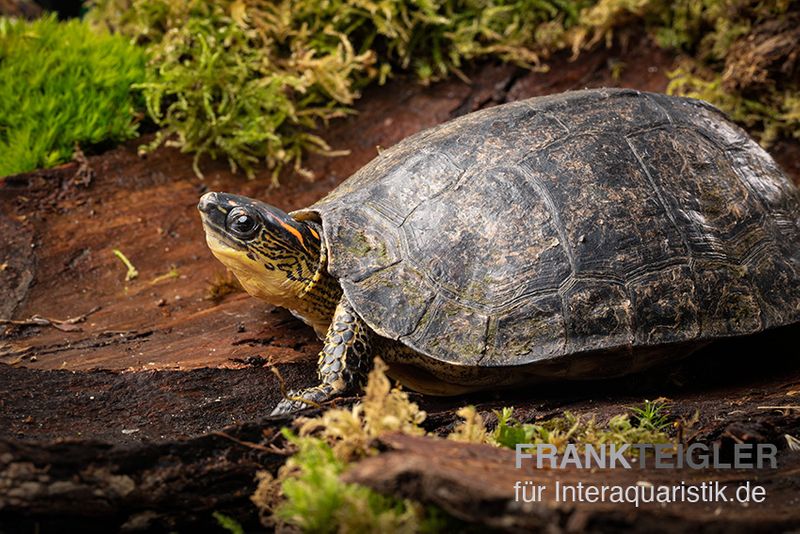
(651, 415)
(228, 523)
(62, 83)
(508, 432)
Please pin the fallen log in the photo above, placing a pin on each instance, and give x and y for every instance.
(481, 485)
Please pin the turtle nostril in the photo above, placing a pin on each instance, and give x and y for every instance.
(207, 201)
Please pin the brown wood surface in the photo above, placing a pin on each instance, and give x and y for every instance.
(476, 483)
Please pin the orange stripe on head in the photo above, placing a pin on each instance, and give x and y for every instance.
(289, 228)
(313, 232)
(292, 230)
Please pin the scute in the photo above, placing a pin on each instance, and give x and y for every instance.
(589, 221)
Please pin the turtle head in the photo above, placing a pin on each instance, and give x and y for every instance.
(274, 256)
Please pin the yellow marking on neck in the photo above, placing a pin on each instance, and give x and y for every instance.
(271, 286)
(313, 232)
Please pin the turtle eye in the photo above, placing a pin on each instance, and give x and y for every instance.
(242, 224)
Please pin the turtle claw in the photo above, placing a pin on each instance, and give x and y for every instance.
(289, 405)
(300, 400)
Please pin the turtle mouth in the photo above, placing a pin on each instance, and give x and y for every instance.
(228, 252)
(218, 238)
(213, 215)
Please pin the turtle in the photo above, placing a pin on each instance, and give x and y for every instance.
(582, 235)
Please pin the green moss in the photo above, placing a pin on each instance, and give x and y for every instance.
(310, 495)
(715, 36)
(707, 32)
(224, 85)
(62, 84)
(316, 500)
(771, 114)
(308, 492)
(228, 523)
(644, 424)
(251, 81)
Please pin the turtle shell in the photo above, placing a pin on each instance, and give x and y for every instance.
(591, 220)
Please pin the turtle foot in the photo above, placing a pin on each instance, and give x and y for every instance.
(300, 400)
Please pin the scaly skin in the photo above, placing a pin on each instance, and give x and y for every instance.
(284, 262)
(316, 302)
(343, 362)
(281, 260)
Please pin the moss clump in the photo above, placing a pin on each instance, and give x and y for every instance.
(237, 84)
(771, 114)
(742, 57)
(739, 55)
(644, 424)
(250, 80)
(309, 495)
(382, 409)
(62, 84)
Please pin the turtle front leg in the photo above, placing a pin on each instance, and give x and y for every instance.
(343, 362)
